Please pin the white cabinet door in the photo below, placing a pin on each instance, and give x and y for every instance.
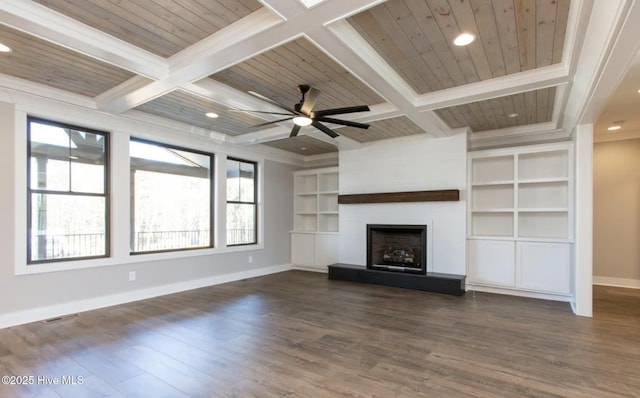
(544, 266)
(326, 250)
(302, 249)
(491, 262)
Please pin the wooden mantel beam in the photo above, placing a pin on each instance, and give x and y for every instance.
(393, 197)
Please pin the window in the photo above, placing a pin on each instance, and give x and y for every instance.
(241, 202)
(68, 202)
(171, 191)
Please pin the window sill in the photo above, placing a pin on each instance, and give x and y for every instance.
(24, 269)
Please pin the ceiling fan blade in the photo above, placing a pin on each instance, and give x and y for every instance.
(339, 111)
(310, 100)
(324, 129)
(250, 111)
(279, 105)
(273, 122)
(342, 122)
(294, 130)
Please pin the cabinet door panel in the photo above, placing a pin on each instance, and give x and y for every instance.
(544, 266)
(491, 262)
(326, 252)
(302, 249)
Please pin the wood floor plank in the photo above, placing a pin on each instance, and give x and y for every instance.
(298, 334)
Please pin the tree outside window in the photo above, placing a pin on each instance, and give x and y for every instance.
(171, 197)
(68, 198)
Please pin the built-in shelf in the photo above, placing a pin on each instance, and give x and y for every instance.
(314, 239)
(520, 219)
(392, 197)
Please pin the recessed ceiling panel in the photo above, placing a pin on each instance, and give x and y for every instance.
(382, 129)
(191, 109)
(498, 113)
(41, 62)
(303, 145)
(161, 27)
(416, 38)
(277, 73)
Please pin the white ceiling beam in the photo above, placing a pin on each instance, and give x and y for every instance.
(536, 79)
(25, 86)
(256, 33)
(347, 47)
(612, 38)
(218, 51)
(37, 20)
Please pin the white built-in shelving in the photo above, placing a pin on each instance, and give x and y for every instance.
(314, 235)
(316, 200)
(520, 214)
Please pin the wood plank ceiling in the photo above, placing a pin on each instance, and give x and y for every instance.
(41, 62)
(179, 59)
(513, 36)
(163, 28)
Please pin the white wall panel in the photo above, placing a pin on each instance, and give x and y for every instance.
(411, 164)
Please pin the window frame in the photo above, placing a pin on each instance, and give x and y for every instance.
(254, 202)
(212, 182)
(106, 195)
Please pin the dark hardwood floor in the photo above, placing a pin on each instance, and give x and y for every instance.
(299, 334)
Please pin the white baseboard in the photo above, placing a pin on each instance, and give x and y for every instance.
(617, 282)
(311, 268)
(39, 314)
(513, 292)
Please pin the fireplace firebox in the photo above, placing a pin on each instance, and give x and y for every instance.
(399, 248)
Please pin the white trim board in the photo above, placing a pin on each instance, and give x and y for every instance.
(616, 282)
(42, 313)
(471, 288)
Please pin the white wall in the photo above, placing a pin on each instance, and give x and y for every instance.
(410, 164)
(616, 213)
(37, 296)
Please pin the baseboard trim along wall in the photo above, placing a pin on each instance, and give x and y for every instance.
(310, 268)
(42, 313)
(617, 282)
(514, 292)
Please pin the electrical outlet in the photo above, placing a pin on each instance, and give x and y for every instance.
(132, 276)
(250, 259)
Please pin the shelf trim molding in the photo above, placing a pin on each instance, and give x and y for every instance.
(443, 195)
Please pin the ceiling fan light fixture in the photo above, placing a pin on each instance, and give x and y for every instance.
(302, 121)
(464, 39)
(4, 48)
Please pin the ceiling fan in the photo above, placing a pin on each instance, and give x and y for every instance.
(302, 113)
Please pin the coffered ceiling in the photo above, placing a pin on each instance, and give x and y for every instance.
(179, 59)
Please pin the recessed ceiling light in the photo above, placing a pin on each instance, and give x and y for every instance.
(304, 148)
(302, 121)
(513, 115)
(613, 128)
(212, 115)
(4, 48)
(464, 39)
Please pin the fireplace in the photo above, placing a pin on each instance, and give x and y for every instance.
(400, 248)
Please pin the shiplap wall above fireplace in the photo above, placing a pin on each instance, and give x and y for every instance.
(411, 164)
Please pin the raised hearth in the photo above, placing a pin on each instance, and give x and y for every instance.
(430, 282)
